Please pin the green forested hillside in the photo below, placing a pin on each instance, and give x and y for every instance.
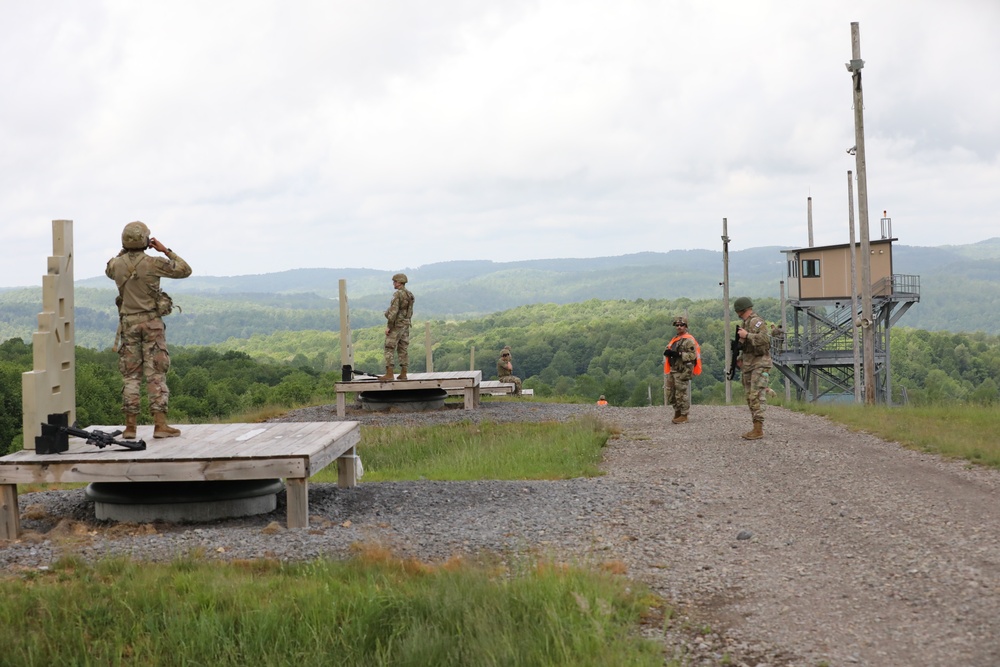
(962, 297)
(959, 287)
(615, 348)
(202, 319)
(585, 349)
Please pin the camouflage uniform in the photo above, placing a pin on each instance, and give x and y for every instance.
(505, 372)
(143, 346)
(681, 372)
(756, 364)
(397, 337)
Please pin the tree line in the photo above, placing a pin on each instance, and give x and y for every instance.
(576, 351)
(616, 347)
(206, 385)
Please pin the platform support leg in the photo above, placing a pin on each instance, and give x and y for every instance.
(10, 516)
(347, 470)
(341, 404)
(297, 497)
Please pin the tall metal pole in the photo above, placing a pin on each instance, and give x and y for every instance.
(809, 219)
(814, 383)
(784, 337)
(867, 319)
(725, 305)
(854, 289)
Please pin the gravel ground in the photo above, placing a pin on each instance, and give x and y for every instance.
(813, 546)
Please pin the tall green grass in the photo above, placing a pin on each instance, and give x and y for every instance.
(368, 611)
(468, 451)
(954, 431)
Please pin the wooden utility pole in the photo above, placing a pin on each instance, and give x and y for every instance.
(725, 306)
(867, 318)
(854, 290)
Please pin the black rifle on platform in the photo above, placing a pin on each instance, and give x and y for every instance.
(348, 373)
(55, 437)
(735, 347)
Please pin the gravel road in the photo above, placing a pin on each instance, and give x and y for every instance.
(813, 546)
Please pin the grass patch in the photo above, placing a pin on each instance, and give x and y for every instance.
(469, 451)
(370, 610)
(954, 431)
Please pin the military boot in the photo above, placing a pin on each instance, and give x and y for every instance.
(161, 428)
(388, 377)
(129, 432)
(757, 433)
(402, 372)
(679, 419)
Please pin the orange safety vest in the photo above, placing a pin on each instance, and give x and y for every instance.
(697, 348)
(602, 402)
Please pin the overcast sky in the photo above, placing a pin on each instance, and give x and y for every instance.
(259, 136)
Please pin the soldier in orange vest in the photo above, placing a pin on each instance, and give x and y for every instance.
(602, 400)
(681, 360)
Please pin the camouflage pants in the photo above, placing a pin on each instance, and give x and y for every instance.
(677, 391)
(512, 379)
(755, 385)
(143, 351)
(397, 340)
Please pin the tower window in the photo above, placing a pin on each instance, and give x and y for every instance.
(810, 268)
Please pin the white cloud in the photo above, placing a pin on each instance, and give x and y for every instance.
(259, 136)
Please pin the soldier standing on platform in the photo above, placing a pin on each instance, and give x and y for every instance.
(505, 370)
(397, 330)
(141, 307)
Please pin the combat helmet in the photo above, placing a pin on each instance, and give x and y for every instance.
(742, 303)
(680, 321)
(400, 278)
(135, 236)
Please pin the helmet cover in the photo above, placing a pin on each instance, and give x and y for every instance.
(135, 236)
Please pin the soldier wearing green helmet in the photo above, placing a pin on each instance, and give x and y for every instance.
(397, 329)
(142, 334)
(754, 362)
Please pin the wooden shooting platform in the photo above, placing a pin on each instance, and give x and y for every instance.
(292, 451)
(465, 382)
(493, 388)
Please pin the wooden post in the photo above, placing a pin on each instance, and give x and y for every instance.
(346, 348)
(472, 359)
(427, 346)
(726, 307)
(854, 290)
(867, 319)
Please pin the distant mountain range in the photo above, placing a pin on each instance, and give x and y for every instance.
(960, 289)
